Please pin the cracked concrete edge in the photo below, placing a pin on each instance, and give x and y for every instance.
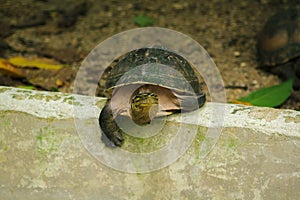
(61, 106)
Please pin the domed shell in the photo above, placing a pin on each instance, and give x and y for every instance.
(154, 66)
(279, 40)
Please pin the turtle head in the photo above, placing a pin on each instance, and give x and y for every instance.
(144, 107)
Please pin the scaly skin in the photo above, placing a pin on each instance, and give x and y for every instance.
(109, 127)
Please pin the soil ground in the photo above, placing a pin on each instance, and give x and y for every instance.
(68, 30)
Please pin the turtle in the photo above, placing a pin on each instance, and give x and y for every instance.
(278, 45)
(146, 83)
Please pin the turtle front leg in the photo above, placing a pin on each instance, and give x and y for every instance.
(111, 133)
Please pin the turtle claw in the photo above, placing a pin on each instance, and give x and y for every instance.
(112, 140)
(118, 139)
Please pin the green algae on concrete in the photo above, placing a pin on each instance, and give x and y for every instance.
(48, 140)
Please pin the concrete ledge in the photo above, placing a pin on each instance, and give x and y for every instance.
(61, 106)
(257, 155)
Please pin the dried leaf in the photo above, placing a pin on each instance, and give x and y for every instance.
(41, 63)
(59, 82)
(241, 102)
(10, 70)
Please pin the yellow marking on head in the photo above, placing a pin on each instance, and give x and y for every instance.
(144, 107)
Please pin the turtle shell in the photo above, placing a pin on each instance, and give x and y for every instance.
(154, 72)
(151, 66)
(279, 41)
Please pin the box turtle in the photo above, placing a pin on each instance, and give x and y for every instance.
(279, 45)
(143, 84)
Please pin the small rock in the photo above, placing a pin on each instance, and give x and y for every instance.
(254, 82)
(178, 6)
(243, 64)
(236, 53)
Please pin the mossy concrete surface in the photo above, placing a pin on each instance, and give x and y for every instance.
(42, 156)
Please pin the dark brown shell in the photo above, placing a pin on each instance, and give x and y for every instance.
(279, 41)
(174, 73)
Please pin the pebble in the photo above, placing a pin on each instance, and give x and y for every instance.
(236, 53)
(178, 6)
(243, 64)
(254, 82)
